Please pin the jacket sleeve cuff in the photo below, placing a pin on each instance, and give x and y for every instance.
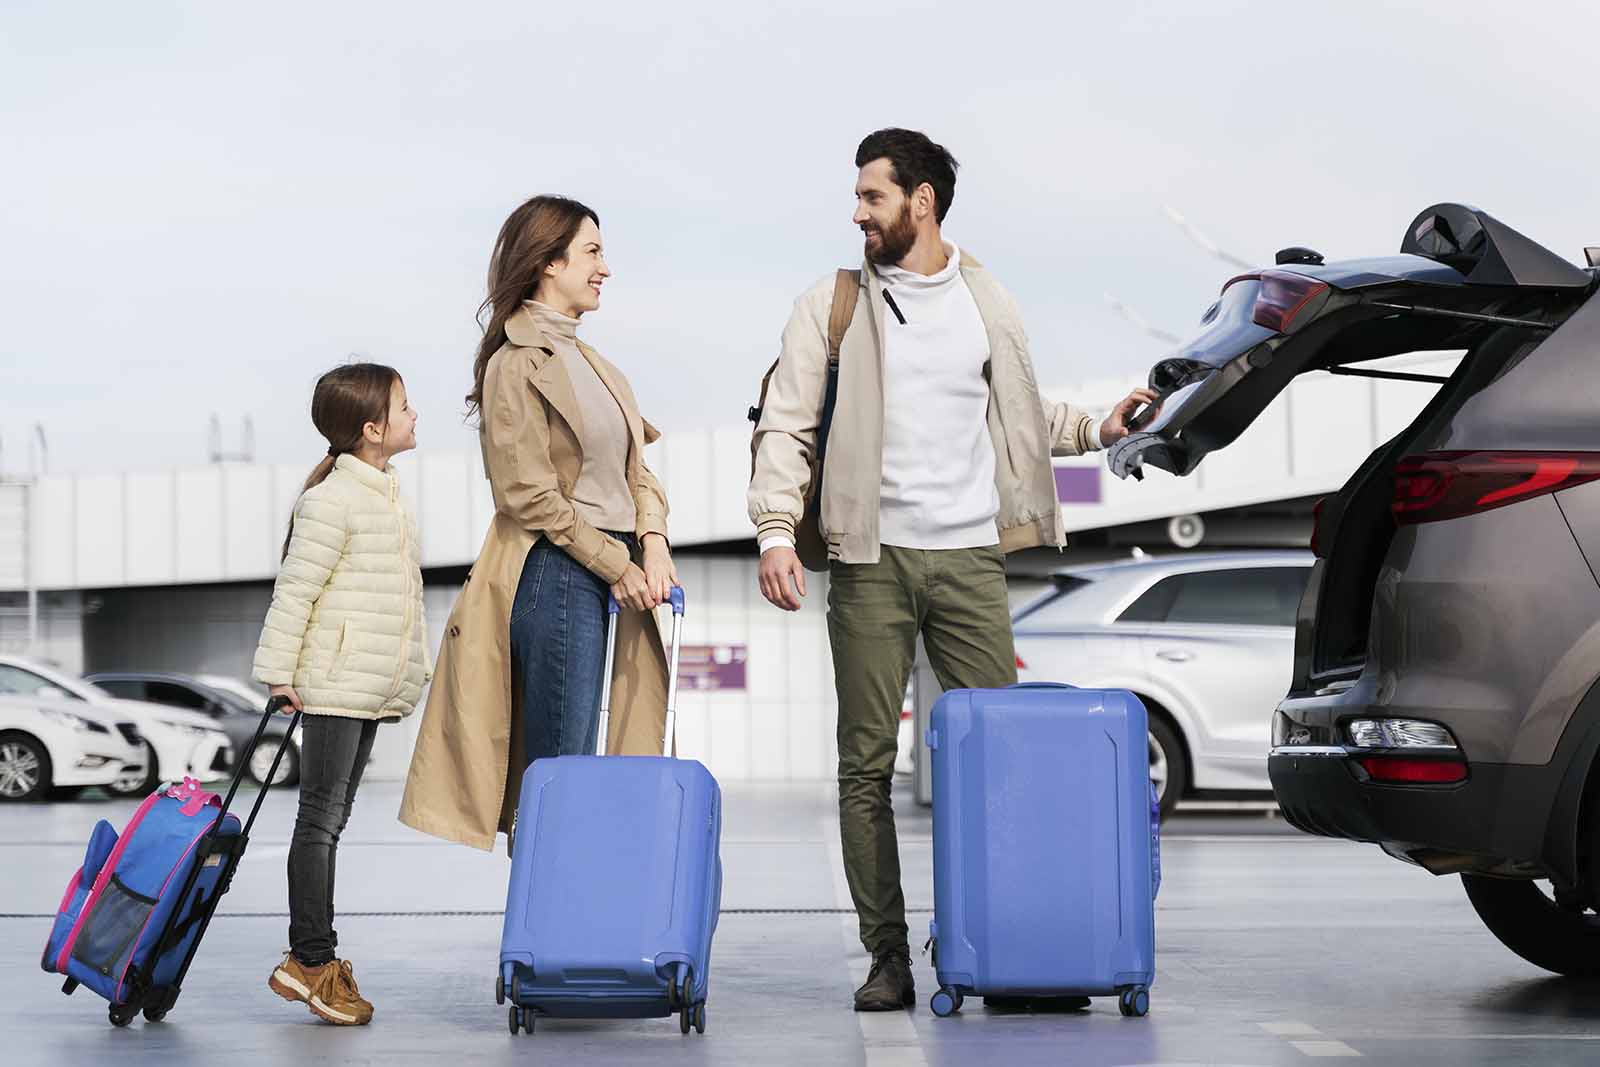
(651, 523)
(1093, 437)
(611, 562)
(271, 677)
(774, 524)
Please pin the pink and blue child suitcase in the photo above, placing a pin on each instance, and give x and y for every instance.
(134, 913)
(1044, 845)
(616, 880)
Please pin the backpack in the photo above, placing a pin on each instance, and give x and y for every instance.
(809, 544)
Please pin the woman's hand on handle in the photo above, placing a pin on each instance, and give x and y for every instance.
(659, 572)
(633, 590)
(287, 692)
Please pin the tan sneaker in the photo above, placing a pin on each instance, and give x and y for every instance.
(322, 989)
(347, 979)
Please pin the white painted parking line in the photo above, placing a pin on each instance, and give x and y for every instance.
(1325, 1048)
(1290, 1029)
(888, 1038)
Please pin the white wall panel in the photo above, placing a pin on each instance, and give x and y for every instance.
(100, 528)
(152, 533)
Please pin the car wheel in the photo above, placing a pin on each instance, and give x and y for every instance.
(1168, 773)
(1529, 922)
(138, 783)
(261, 763)
(24, 768)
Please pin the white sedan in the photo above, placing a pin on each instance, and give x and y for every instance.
(177, 743)
(49, 750)
(1206, 641)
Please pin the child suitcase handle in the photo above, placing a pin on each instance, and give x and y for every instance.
(612, 611)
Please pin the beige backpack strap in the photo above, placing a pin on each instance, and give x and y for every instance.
(846, 288)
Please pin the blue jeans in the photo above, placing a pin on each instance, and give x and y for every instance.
(558, 651)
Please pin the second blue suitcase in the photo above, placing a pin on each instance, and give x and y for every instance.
(1044, 850)
(616, 882)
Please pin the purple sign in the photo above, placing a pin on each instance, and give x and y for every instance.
(709, 667)
(1078, 485)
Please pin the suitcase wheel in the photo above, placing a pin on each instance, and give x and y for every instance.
(519, 1019)
(1134, 1003)
(499, 989)
(154, 1015)
(946, 1002)
(700, 1017)
(121, 1014)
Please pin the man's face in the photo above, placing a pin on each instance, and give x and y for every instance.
(883, 211)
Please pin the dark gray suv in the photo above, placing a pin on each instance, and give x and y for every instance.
(1444, 701)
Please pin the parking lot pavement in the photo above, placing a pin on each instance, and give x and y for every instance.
(1273, 948)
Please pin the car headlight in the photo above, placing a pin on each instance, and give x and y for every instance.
(72, 722)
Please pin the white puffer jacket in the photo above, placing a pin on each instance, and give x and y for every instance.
(346, 627)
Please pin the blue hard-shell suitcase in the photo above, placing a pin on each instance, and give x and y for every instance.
(1045, 845)
(616, 881)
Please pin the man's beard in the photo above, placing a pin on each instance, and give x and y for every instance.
(895, 242)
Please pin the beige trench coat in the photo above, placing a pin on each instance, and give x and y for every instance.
(468, 762)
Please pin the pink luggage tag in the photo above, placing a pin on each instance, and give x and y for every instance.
(192, 795)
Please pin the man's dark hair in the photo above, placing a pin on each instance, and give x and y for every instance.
(915, 159)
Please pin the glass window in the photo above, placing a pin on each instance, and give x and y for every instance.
(1250, 596)
(1055, 606)
(178, 696)
(18, 682)
(1155, 603)
(122, 688)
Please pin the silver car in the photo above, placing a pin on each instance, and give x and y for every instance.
(1205, 640)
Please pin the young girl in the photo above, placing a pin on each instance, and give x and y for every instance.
(345, 642)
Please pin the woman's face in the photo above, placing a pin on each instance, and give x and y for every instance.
(572, 284)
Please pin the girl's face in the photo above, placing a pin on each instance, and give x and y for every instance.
(400, 435)
(571, 285)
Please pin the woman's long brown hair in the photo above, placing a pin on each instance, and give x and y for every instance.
(344, 401)
(536, 235)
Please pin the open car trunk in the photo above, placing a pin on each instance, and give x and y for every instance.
(1463, 282)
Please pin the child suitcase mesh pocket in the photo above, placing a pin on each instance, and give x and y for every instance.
(108, 937)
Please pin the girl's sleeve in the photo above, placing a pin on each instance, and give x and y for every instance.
(317, 542)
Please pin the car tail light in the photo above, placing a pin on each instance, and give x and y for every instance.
(1413, 771)
(1446, 485)
(1283, 295)
(1316, 527)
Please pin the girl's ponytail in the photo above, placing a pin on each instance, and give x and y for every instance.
(318, 474)
(344, 401)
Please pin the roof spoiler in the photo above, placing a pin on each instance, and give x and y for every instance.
(1487, 251)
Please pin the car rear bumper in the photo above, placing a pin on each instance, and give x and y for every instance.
(1498, 815)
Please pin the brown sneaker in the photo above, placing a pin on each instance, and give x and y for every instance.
(322, 989)
(347, 979)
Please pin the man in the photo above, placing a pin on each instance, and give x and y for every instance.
(937, 463)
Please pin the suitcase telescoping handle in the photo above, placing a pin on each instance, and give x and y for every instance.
(612, 610)
(274, 706)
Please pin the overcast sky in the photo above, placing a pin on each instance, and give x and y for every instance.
(203, 206)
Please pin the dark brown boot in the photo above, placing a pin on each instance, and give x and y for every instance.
(888, 987)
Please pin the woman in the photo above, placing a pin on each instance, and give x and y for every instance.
(577, 516)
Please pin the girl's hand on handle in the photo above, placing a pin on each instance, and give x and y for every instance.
(633, 590)
(659, 572)
(287, 692)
